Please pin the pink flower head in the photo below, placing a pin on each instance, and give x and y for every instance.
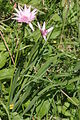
(43, 30)
(25, 15)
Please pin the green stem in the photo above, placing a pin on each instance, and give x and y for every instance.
(10, 98)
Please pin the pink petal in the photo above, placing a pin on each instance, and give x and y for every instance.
(45, 38)
(17, 10)
(43, 28)
(34, 11)
(50, 29)
(16, 14)
(20, 8)
(31, 26)
(24, 15)
(25, 8)
(16, 18)
(29, 9)
(39, 25)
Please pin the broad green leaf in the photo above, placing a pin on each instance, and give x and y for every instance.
(67, 104)
(59, 109)
(67, 113)
(26, 104)
(3, 59)
(43, 108)
(16, 116)
(6, 74)
(56, 17)
(2, 46)
(77, 67)
(55, 34)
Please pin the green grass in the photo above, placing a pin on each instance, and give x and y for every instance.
(40, 80)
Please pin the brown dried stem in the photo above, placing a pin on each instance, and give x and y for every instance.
(7, 47)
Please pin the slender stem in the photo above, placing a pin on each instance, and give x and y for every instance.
(43, 2)
(66, 7)
(69, 97)
(7, 47)
(78, 18)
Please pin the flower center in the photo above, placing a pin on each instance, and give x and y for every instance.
(24, 17)
(44, 32)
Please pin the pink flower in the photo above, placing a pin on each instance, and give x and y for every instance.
(25, 15)
(43, 30)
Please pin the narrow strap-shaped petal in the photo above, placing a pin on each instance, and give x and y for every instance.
(50, 29)
(44, 37)
(25, 8)
(34, 11)
(29, 9)
(20, 8)
(43, 28)
(17, 10)
(16, 18)
(31, 26)
(16, 14)
(39, 25)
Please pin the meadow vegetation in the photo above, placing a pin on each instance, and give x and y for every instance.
(40, 80)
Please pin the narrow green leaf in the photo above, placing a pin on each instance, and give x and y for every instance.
(31, 104)
(5, 109)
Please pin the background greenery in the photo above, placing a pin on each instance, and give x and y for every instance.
(44, 82)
